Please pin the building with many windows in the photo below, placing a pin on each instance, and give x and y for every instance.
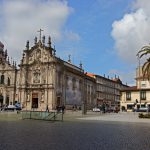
(43, 81)
(108, 90)
(136, 96)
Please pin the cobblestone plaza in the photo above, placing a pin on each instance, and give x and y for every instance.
(76, 134)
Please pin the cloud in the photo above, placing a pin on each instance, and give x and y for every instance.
(21, 19)
(131, 32)
(142, 4)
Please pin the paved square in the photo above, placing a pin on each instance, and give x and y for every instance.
(75, 134)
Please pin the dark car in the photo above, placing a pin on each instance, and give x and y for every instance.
(18, 106)
(116, 110)
(110, 109)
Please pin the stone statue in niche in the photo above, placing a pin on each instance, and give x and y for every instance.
(36, 76)
(45, 56)
(1, 61)
(30, 58)
(38, 54)
(42, 97)
(28, 97)
(43, 79)
(1, 91)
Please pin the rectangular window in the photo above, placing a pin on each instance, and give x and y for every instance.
(143, 83)
(128, 95)
(143, 95)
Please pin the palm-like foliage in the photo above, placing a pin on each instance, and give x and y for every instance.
(144, 51)
(146, 67)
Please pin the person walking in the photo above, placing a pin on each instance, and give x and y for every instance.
(63, 109)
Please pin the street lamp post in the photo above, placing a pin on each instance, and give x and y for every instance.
(84, 109)
(47, 109)
(139, 79)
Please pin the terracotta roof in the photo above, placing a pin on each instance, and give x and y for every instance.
(134, 88)
(90, 74)
(131, 88)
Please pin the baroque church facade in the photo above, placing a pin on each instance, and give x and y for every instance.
(44, 81)
(8, 78)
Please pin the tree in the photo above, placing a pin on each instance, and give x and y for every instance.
(146, 67)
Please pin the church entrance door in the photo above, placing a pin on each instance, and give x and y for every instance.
(58, 101)
(35, 100)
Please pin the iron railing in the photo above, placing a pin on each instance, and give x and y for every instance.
(42, 115)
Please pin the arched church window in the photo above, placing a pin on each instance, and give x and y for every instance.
(73, 83)
(59, 78)
(80, 85)
(2, 79)
(8, 82)
(67, 80)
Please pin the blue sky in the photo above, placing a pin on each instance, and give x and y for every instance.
(92, 20)
(104, 34)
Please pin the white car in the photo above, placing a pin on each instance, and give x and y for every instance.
(96, 109)
(10, 107)
(142, 109)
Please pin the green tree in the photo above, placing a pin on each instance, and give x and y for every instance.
(146, 67)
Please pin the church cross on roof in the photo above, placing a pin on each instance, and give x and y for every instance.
(40, 31)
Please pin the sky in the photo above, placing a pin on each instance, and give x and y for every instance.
(105, 35)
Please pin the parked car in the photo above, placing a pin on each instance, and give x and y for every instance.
(109, 109)
(96, 109)
(142, 109)
(13, 107)
(10, 107)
